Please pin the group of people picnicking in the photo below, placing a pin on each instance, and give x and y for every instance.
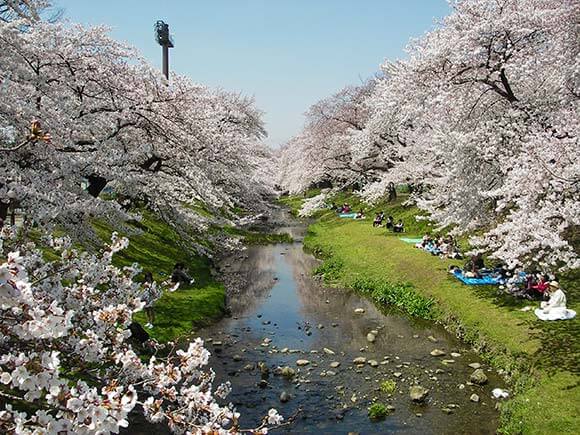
(528, 285)
(442, 246)
(152, 292)
(398, 227)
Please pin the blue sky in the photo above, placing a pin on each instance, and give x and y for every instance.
(287, 54)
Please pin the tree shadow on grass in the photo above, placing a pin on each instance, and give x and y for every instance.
(500, 298)
(560, 344)
(559, 340)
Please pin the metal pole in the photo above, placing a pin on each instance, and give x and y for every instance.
(166, 61)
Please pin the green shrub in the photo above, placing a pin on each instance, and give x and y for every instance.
(389, 386)
(330, 269)
(400, 295)
(378, 411)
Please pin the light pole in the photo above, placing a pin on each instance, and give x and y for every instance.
(166, 41)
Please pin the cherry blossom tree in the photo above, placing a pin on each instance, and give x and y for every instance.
(116, 122)
(67, 363)
(483, 114)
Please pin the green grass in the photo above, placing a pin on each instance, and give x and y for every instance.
(156, 247)
(541, 357)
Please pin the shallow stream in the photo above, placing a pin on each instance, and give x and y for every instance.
(280, 315)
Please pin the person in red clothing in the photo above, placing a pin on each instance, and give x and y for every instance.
(542, 285)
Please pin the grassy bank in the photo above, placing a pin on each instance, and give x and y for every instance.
(541, 357)
(156, 247)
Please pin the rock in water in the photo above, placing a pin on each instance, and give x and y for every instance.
(418, 393)
(359, 311)
(359, 360)
(288, 372)
(302, 362)
(328, 351)
(284, 397)
(371, 337)
(373, 363)
(475, 366)
(478, 377)
(334, 364)
(437, 352)
(474, 398)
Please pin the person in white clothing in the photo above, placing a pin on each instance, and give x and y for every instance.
(555, 308)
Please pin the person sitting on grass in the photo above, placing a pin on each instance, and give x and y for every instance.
(399, 227)
(360, 214)
(379, 219)
(179, 276)
(542, 285)
(151, 292)
(555, 308)
(390, 223)
(474, 266)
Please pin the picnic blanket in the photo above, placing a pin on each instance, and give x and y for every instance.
(411, 240)
(484, 280)
(558, 314)
(347, 215)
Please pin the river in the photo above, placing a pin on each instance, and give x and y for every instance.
(281, 314)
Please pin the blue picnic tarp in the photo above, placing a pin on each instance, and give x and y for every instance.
(483, 280)
(347, 215)
(410, 240)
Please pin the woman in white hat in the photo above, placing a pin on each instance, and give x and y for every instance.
(555, 308)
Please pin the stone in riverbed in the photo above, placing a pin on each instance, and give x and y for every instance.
(475, 366)
(373, 363)
(455, 355)
(302, 362)
(359, 311)
(478, 377)
(432, 339)
(328, 351)
(447, 411)
(284, 350)
(437, 352)
(359, 360)
(237, 358)
(448, 361)
(334, 364)
(330, 373)
(284, 397)
(390, 408)
(371, 337)
(288, 372)
(474, 398)
(418, 393)
(397, 374)
(263, 383)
